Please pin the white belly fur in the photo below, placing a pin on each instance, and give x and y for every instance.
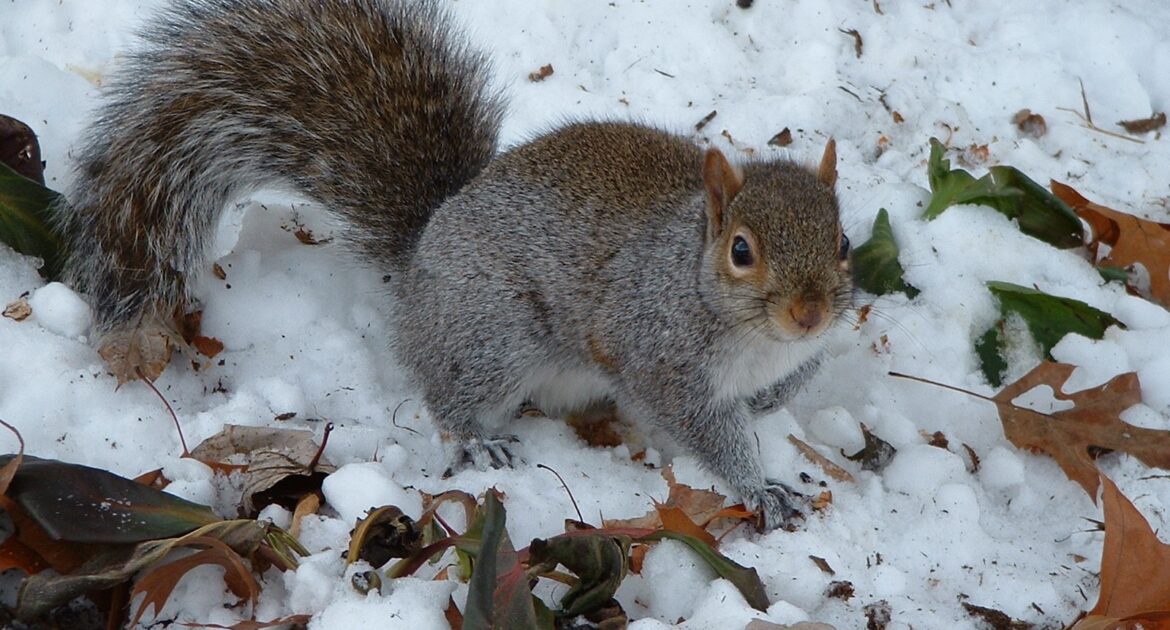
(760, 365)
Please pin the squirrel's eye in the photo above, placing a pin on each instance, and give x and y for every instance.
(741, 252)
(843, 253)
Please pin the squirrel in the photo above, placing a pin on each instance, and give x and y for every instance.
(599, 261)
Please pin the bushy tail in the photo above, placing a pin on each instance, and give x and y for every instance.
(376, 109)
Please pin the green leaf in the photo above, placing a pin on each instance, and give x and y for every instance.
(746, 579)
(1113, 274)
(600, 561)
(989, 349)
(88, 505)
(875, 263)
(25, 218)
(498, 595)
(1037, 211)
(1050, 318)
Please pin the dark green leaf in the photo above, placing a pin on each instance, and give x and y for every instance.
(746, 579)
(25, 218)
(599, 561)
(1050, 318)
(1113, 274)
(1036, 210)
(989, 349)
(875, 263)
(88, 505)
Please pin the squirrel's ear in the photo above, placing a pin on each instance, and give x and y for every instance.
(722, 181)
(827, 172)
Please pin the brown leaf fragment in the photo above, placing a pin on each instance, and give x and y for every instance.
(705, 119)
(453, 616)
(1131, 240)
(822, 564)
(995, 619)
(20, 150)
(937, 439)
(857, 44)
(1135, 568)
(18, 310)
(543, 73)
(897, 116)
(309, 504)
(876, 454)
(840, 589)
(973, 457)
(877, 615)
(1074, 436)
(1144, 125)
(218, 272)
(207, 346)
(827, 465)
(1030, 124)
(782, 139)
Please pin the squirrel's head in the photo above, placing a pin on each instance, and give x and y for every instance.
(775, 256)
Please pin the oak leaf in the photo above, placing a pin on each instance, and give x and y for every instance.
(1130, 240)
(1074, 436)
(1135, 570)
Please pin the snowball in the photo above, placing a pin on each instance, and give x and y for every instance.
(836, 427)
(919, 469)
(356, 488)
(59, 310)
(1155, 382)
(1001, 468)
(677, 580)
(1137, 313)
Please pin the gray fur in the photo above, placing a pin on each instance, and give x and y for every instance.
(577, 267)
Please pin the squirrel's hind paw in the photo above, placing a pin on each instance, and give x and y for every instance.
(777, 506)
(482, 453)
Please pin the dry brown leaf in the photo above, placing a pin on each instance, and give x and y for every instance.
(1093, 424)
(18, 310)
(207, 346)
(309, 504)
(1145, 125)
(701, 507)
(143, 352)
(1135, 570)
(543, 73)
(827, 465)
(1131, 240)
(1030, 124)
(158, 582)
(782, 139)
(288, 457)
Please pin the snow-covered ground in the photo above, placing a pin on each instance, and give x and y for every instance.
(305, 328)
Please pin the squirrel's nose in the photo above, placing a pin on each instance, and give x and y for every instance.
(807, 315)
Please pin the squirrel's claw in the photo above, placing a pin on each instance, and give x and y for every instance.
(483, 453)
(776, 505)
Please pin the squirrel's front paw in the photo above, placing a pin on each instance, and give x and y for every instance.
(482, 453)
(776, 505)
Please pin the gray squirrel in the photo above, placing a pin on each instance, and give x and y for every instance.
(599, 261)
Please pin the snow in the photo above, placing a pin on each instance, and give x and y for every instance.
(305, 328)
